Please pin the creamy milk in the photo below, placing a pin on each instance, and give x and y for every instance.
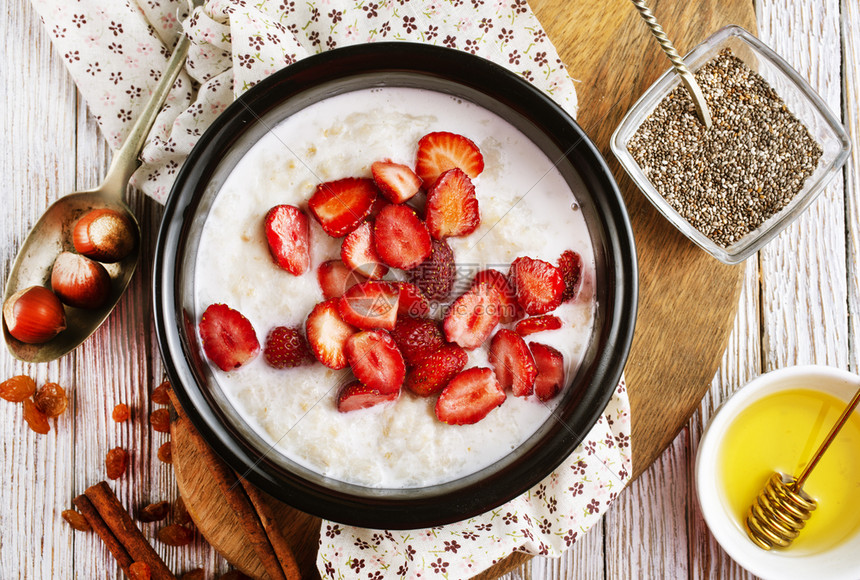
(526, 210)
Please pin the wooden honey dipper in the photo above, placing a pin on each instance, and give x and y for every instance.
(782, 507)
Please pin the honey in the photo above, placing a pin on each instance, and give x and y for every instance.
(781, 432)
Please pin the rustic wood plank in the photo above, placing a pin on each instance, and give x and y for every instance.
(850, 12)
(741, 363)
(38, 112)
(646, 527)
(803, 271)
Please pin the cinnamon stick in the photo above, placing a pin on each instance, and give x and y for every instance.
(237, 499)
(98, 525)
(126, 531)
(273, 531)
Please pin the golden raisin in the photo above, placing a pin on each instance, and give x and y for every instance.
(116, 462)
(160, 420)
(159, 394)
(139, 571)
(76, 520)
(180, 514)
(51, 399)
(154, 512)
(121, 413)
(196, 574)
(175, 535)
(165, 453)
(35, 418)
(17, 388)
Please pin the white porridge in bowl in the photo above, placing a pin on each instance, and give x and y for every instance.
(526, 226)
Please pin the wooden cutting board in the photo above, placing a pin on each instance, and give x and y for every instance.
(687, 299)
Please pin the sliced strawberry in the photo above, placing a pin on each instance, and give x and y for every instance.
(327, 334)
(228, 338)
(286, 348)
(538, 324)
(438, 152)
(339, 206)
(335, 278)
(417, 338)
(359, 252)
(395, 181)
(354, 396)
(514, 365)
(376, 360)
(370, 305)
(402, 240)
(412, 302)
(452, 208)
(538, 285)
(550, 366)
(472, 317)
(570, 264)
(434, 373)
(288, 235)
(511, 310)
(435, 276)
(469, 397)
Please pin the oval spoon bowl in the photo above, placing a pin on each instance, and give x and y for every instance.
(51, 235)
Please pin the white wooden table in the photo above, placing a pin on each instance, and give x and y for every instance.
(800, 304)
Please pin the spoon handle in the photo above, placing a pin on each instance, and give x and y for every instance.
(125, 161)
(680, 67)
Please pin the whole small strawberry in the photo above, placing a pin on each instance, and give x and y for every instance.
(435, 275)
(286, 348)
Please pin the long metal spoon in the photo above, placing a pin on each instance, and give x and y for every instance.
(687, 77)
(52, 234)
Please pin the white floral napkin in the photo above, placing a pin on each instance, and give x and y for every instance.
(115, 51)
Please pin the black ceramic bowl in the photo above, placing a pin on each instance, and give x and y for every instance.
(402, 65)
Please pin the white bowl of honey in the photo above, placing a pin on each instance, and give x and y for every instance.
(775, 423)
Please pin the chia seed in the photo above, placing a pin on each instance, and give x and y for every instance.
(728, 180)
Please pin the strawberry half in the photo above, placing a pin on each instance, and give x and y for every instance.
(435, 371)
(370, 305)
(510, 309)
(435, 276)
(538, 285)
(452, 208)
(412, 301)
(359, 252)
(335, 278)
(417, 338)
(570, 264)
(396, 182)
(286, 348)
(438, 152)
(376, 360)
(538, 324)
(327, 334)
(402, 240)
(514, 365)
(228, 337)
(472, 317)
(354, 396)
(550, 366)
(469, 397)
(288, 235)
(339, 206)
